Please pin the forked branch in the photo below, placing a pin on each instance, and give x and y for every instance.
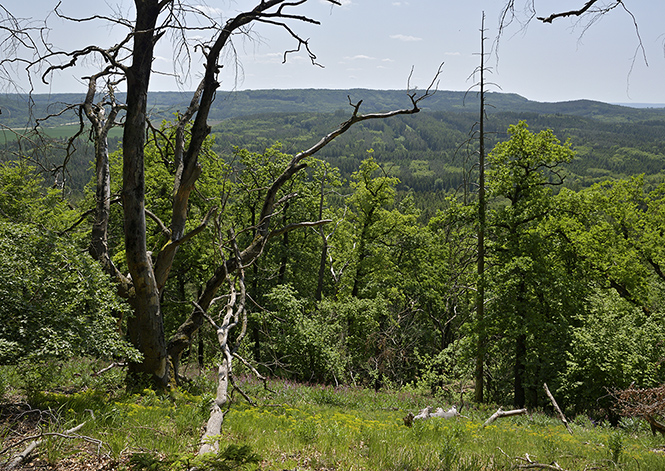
(578, 12)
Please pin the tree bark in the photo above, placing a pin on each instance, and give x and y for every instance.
(146, 326)
(520, 370)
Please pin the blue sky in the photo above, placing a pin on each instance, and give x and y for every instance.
(375, 43)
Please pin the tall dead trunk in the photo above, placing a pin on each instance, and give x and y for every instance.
(146, 326)
(101, 123)
(480, 293)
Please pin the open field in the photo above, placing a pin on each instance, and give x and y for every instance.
(56, 132)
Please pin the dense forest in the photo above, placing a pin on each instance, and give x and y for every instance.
(383, 294)
(327, 279)
(370, 278)
(431, 153)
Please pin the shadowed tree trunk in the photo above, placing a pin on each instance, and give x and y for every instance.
(146, 326)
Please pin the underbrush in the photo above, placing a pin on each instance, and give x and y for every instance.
(296, 426)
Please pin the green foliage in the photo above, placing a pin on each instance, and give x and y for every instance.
(380, 229)
(615, 446)
(533, 287)
(613, 345)
(55, 301)
(233, 457)
(333, 343)
(24, 198)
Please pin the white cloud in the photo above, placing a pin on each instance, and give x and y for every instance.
(399, 4)
(403, 37)
(387, 60)
(360, 57)
(209, 11)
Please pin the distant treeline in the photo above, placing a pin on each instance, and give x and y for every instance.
(432, 153)
(17, 110)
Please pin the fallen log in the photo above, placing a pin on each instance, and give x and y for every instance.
(557, 408)
(503, 413)
(427, 413)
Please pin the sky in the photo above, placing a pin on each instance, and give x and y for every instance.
(376, 44)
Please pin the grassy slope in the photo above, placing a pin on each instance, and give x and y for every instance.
(296, 426)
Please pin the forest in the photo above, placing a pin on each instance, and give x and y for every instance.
(383, 294)
(323, 279)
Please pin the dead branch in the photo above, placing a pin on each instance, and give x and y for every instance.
(115, 364)
(501, 413)
(530, 464)
(564, 14)
(162, 227)
(242, 393)
(427, 413)
(37, 440)
(556, 407)
(297, 225)
(580, 11)
(356, 117)
(647, 403)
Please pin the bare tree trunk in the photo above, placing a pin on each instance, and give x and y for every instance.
(520, 370)
(480, 294)
(101, 124)
(146, 326)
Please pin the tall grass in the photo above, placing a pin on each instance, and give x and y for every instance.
(297, 426)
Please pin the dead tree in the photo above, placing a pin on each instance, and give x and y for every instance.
(647, 403)
(264, 232)
(130, 61)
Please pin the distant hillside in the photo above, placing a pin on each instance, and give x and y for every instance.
(430, 152)
(16, 108)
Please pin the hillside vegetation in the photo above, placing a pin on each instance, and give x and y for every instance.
(347, 284)
(428, 152)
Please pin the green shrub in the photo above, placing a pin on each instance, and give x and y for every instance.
(55, 301)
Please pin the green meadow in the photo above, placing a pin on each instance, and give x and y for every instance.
(307, 427)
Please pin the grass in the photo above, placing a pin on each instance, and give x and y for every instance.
(296, 426)
(364, 434)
